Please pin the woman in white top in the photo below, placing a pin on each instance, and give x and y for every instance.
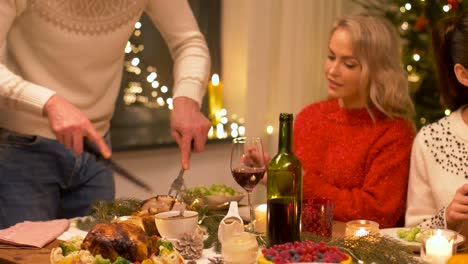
(438, 183)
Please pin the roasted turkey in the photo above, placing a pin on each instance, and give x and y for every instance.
(120, 239)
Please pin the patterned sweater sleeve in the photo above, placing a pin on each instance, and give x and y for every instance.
(175, 20)
(15, 92)
(420, 203)
(382, 195)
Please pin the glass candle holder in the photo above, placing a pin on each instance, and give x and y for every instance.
(359, 228)
(240, 249)
(438, 246)
(260, 218)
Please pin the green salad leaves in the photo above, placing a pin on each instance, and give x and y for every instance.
(215, 190)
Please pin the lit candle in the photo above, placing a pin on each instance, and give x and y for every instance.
(438, 249)
(240, 249)
(361, 232)
(260, 218)
(359, 228)
(215, 101)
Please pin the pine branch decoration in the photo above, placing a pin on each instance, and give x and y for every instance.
(106, 211)
(211, 222)
(371, 249)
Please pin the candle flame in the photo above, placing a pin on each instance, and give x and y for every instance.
(215, 79)
(361, 232)
(262, 208)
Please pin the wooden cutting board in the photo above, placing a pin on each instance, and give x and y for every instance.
(27, 255)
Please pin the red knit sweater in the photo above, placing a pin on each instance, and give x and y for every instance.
(360, 164)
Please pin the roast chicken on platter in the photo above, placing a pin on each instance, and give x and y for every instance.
(127, 240)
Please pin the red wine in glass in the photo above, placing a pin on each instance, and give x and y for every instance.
(248, 167)
(248, 178)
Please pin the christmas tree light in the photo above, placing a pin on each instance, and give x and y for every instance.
(145, 90)
(414, 20)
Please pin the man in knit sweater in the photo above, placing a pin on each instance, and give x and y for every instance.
(60, 75)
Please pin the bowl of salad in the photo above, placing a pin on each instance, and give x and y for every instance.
(216, 196)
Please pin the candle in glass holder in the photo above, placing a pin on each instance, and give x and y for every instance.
(359, 228)
(438, 248)
(240, 249)
(260, 218)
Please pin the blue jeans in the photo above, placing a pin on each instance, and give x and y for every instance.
(42, 180)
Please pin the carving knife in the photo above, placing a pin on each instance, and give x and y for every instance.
(91, 148)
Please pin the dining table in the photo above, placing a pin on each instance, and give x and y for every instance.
(41, 255)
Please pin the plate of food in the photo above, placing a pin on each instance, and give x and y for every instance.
(117, 243)
(217, 196)
(412, 236)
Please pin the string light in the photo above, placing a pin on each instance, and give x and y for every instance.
(408, 6)
(422, 120)
(135, 61)
(269, 129)
(152, 94)
(128, 47)
(404, 25)
(413, 77)
(446, 8)
(143, 93)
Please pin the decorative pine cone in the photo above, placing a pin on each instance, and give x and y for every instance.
(190, 245)
(216, 260)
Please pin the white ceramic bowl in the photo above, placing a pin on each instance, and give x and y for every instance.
(172, 226)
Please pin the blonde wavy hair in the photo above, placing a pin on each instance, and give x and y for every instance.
(384, 82)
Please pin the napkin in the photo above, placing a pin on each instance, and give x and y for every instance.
(33, 234)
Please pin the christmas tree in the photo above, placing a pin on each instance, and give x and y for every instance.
(415, 20)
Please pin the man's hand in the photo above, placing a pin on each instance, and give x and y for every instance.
(457, 210)
(188, 124)
(70, 125)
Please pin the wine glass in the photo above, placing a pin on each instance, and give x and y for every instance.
(248, 167)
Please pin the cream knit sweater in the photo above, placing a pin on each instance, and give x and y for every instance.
(439, 166)
(76, 49)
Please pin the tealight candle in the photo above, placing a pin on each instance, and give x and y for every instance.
(260, 218)
(437, 249)
(359, 228)
(361, 232)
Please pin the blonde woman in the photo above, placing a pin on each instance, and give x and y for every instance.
(355, 147)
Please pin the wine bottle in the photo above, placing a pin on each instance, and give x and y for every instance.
(284, 189)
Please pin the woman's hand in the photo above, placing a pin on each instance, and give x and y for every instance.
(457, 210)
